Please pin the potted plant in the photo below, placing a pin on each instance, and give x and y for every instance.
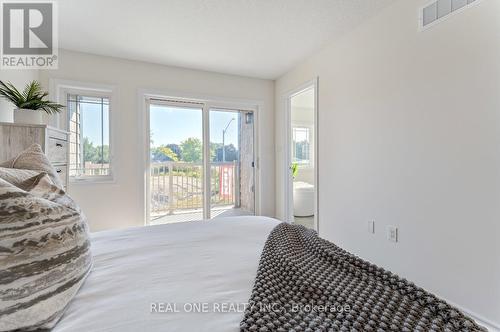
(30, 104)
(295, 170)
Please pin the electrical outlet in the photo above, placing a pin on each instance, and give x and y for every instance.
(371, 226)
(392, 233)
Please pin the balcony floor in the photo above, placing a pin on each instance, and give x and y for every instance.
(192, 215)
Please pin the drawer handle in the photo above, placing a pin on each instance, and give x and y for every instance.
(59, 171)
(59, 145)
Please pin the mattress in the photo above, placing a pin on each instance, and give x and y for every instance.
(193, 276)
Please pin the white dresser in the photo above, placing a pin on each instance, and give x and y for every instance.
(16, 137)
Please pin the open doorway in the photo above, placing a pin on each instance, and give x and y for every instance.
(302, 147)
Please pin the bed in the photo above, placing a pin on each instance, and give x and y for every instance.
(212, 262)
(229, 274)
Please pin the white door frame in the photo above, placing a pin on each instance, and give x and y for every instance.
(288, 179)
(205, 103)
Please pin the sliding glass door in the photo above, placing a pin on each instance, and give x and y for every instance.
(201, 162)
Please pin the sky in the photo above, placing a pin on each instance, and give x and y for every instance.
(168, 124)
(91, 124)
(172, 125)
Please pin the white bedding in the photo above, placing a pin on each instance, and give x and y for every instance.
(212, 262)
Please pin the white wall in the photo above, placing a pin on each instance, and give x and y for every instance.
(409, 135)
(121, 204)
(19, 78)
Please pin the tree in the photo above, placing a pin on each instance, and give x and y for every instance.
(95, 154)
(192, 150)
(89, 151)
(163, 153)
(102, 153)
(231, 153)
(176, 149)
(214, 148)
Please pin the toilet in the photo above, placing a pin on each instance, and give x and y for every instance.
(303, 199)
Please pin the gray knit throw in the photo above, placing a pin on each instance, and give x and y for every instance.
(305, 283)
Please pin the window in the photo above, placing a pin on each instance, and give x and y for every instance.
(301, 145)
(88, 124)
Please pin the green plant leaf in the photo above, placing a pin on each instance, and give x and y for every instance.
(31, 90)
(9, 92)
(32, 97)
(295, 170)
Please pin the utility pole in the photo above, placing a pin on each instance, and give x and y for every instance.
(224, 140)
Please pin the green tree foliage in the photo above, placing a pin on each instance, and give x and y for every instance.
(163, 153)
(232, 153)
(95, 154)
(192, 150)
(176, 149)
(214, 147)
(103, 155)
(89, 151)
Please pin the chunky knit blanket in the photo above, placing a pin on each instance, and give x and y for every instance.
(305, 283)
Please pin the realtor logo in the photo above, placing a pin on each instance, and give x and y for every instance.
(29, 36)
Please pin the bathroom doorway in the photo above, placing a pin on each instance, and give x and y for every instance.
(301, 162)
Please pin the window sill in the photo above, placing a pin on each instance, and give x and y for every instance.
(93, 180)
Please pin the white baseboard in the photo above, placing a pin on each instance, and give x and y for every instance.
(491, 326)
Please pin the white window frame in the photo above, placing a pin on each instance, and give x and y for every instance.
(209, 102)
(60, 90)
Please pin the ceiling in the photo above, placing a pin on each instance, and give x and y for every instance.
(255, 38)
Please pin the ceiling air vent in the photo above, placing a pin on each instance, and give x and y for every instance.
(441, 9)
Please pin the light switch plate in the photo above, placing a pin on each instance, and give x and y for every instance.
(392, 233)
